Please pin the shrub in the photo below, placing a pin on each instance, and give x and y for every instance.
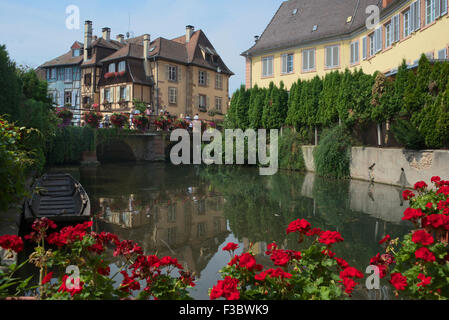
(407, 135)
(290, 152)
(332, 156)
(14, 160)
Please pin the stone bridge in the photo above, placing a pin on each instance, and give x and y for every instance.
(135, 147)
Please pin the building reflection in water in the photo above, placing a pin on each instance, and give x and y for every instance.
(189, 226)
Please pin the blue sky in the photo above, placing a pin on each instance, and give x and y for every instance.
(35, 31)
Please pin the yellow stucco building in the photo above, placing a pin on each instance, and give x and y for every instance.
(306, 38)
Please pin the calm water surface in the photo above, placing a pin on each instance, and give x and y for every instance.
(192, 212)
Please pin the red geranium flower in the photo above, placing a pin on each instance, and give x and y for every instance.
(330, 237)
(424, 280)
(421, 236)
(424, 254)
(11, 242)
(300, 225)
(387, 238)
(407, 194)
(47, 278)
(411, 214)
(231, 246)
(398, 281)
(420, 185)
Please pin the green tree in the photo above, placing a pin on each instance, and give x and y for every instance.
(10, 89)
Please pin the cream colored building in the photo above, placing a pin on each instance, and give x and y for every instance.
(307, 38)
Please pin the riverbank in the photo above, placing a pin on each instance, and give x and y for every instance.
(392, 166)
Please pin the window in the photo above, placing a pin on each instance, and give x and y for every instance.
(172, 95)
(375, 41)
(442, 54)
(61, 73)
(123, 93)
(430, 11)
(218, 103)
(443, 7)
(415, 16)
(75, 52)
(333, 56)
(68, 75)
(202, 78)
(365, 48)
(395, 31)
(406, 17)
(202, 102)
(111, 67)
(172, 73)
(87, 79)
(287, 63)
(201, 230)
(218, 81)
(121, 66)
(76, 74)
(388, 35)
(354, 52)
(308, 60)
(53, 74)
(267, 66)
(68, 98)
(107, 95)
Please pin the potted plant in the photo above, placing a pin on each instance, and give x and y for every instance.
(65, 114)
(140, 121)
(93, 118)
(118, 120)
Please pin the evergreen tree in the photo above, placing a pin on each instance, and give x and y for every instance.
(242, 106)
(267, 106)
(327, 113)
(230, 121)
(10, 89)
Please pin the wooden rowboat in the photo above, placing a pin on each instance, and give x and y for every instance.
(58, 197)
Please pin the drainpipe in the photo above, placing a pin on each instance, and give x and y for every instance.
(379, 142)
(316, 136)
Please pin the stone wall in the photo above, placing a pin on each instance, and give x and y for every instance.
(393, 166)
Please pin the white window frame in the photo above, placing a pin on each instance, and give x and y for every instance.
(123, 93)
(68, 74)
(111, 67)
(202, 78)
(287, 63)
(121, 66)
(364, 48)
(442, 54)
(396, 24)
(267, 66)
(406, 31)
(172, 73)
(219, 81)
(107, 95)
(355, 52)
(372, 44)
(308, 60)
(430, 11)
(204, 98)
(415, 16)
(172, 95)
(219, 104)
(334, 58)
(388, 34)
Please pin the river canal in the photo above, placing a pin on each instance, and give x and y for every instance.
(192, 212)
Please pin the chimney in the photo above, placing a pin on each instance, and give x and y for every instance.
(256, 38)
(87, 39)
(146, 45)
(106, 33)
(120, 38)
(189, 32)
(385, 3)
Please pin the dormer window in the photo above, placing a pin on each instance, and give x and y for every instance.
(111, 67)
(76, 52)
(121, 66)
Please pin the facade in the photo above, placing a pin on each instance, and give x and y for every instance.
(63, 75)
(307, 38)
(184, 76)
